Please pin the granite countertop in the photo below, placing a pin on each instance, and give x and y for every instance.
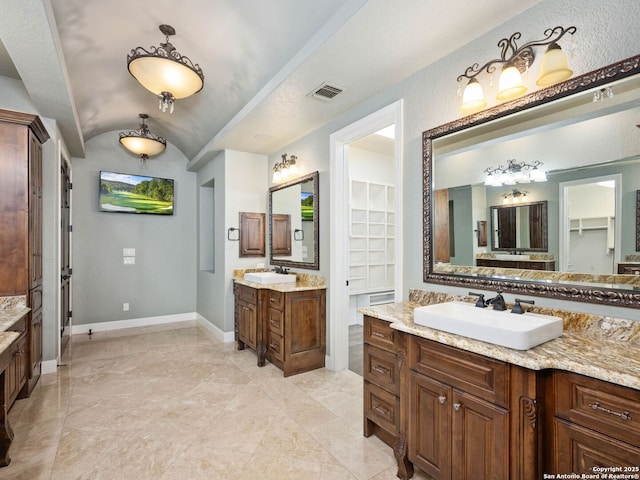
(600, 347)
(12, 309)
(304, 281)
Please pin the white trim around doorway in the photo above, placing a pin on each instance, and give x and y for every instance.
(338, 331)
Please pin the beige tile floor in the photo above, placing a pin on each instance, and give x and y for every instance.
(172, 402)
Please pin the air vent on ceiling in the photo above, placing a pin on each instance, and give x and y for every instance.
(325, 92)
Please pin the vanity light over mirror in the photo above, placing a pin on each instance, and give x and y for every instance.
(294, 223)
(565, 242)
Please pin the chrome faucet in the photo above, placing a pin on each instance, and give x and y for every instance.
(497, 302)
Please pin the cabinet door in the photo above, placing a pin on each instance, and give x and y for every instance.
(247, 325)
(35, 211)
(480, 439)
(429, 434)
(36, 342)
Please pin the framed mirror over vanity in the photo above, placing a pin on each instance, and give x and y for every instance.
(294, 223)
(566, 237)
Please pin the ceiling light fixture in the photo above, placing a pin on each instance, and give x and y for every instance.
(516, 61)
(285, 168)
(165, 72)
(142, 142)
(514, 173)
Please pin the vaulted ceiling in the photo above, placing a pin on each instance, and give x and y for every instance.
(260, 58)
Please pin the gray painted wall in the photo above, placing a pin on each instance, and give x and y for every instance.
(163, 280)
(607, 32)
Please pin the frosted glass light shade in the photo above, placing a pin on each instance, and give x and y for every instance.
(159, 75)
(554, 67)
(510, 85)
(142, 145)
(472, 98)
(538, 175)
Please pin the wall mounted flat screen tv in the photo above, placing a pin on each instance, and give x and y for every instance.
(127, 193)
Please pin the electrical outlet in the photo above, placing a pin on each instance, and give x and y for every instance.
(125, 307)
(128, 252)
(129, 260)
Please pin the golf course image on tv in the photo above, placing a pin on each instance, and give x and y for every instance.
(124, 193)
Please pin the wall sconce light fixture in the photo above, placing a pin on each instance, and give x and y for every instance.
(514, 172)
(142, 142)
(165, 72)
(515, 196)
(516, 61)
(285, 168)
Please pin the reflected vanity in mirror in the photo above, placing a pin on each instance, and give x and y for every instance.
(294, 223)
(581, 131)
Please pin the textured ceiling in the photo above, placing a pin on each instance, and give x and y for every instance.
(260, 60)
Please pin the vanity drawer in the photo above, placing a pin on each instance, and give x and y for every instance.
(382, 408)
(247, 294)
(276, 300)
(379, 333)
(276, 320)
(381, 368)
(484, 377)
(274, 346)
(35, 298)
(602, 406)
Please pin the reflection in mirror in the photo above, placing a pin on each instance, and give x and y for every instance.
(519, 227)
(293, 214)
(578, 136)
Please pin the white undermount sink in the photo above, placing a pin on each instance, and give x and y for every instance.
(269, 277)
(518, 331)
(512, 256)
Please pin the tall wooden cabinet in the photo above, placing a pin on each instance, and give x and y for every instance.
(21, 139)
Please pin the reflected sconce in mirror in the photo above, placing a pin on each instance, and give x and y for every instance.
(515, 196)
(285, 169)
(142, 142)
(515, 61)
(514, 172)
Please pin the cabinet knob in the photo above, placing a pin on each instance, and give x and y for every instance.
(442, 399)
(457, 407)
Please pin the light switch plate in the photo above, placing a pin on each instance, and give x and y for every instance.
(129, 260)
(128, 252)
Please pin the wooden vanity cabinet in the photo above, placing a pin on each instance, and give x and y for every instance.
(595, 423)
(286, 328)
(467, 416)
(383, 356)
(17, 372)
(549, 265)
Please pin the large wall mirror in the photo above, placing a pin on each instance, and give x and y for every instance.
(585, 132)
(294, 223)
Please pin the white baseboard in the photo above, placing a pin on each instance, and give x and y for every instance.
(224, 337)
(133, 322)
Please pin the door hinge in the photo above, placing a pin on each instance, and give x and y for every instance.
(70, 186)
(347, 283)
(70, 228)
(70, 271)
(70, 313)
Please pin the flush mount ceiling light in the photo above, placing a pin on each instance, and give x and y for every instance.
(515, 61)
(514, 173)
(165, 72)
(285, 168)
(142, 142)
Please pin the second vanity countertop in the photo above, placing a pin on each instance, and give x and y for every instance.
(607, 349)
(304, 281)
(12, 309)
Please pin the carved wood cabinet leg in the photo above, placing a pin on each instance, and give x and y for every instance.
(405, 467)
(262, 352)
